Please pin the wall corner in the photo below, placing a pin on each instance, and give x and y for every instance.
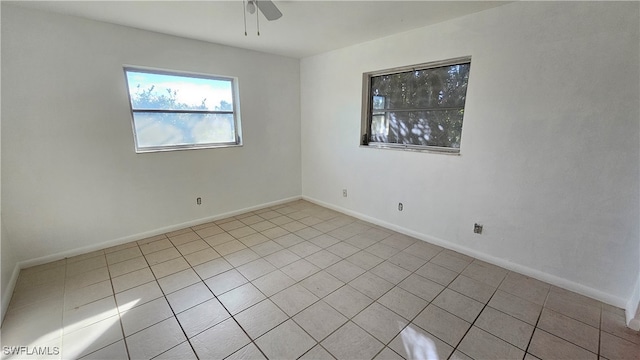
(632, 310)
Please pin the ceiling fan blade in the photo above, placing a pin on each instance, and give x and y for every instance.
(269, 9)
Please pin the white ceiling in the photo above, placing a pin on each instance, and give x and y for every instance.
(306, 27)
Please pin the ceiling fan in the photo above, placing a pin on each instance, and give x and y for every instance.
(266, 7)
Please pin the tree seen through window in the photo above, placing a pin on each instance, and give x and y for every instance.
(172, 110)
(422, 107)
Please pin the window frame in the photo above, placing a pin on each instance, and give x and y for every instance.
(368, 112)
(235, 110)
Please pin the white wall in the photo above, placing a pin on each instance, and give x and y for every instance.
(550, 145)
(8, 259)
(8, 272)
(70, 177)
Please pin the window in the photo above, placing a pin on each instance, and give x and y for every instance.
(178, 111)
(417, 107)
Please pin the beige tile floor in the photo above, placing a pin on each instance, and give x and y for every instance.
(301, 281)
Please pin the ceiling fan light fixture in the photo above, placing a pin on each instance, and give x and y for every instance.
(251, 7)
(266, 7)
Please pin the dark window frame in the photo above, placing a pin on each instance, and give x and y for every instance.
(370, 111)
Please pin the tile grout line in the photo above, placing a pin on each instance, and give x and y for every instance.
(600, 333)
(385, 345)
(175, 315)
(231, 316)
(440, 292)
(252, 341)
(347, 283)
(319, 299)
(428, 302)
(477, 316)
(64, 292)
(126, 346)
(535, 327)
(573, 319)
(164, 295)
(96, 300)
(317, 343)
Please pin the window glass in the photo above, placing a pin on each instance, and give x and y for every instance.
(173, 111)
(418, 107)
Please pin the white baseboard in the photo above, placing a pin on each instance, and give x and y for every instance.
(8, 292)
(534, 273)
(632, 308)
(123, 240)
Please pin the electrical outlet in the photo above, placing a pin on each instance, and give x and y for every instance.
(400, 207)
(344, 192)
(477, 228)
(199, 201)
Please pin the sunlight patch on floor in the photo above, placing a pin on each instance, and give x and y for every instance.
(418, 346)
(90, 329)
